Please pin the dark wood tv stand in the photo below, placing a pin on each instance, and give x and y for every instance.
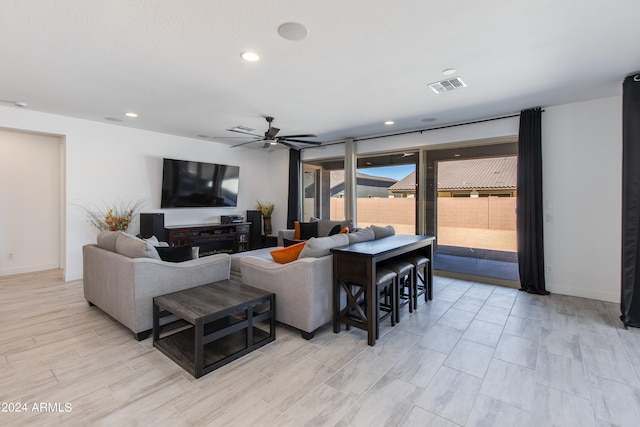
(211, 238)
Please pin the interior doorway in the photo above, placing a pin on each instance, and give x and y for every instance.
(471, 210)
(31, 212)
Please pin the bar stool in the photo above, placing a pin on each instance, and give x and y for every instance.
(404, 270)
(386, 286)
(421, 285)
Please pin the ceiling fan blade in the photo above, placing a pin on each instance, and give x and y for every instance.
(289, 145)
(271, 133)
(308, 135)
(245, 143)
(246, 133)
(304, 142)
(225, 137)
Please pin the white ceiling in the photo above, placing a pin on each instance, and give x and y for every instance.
(178, 65)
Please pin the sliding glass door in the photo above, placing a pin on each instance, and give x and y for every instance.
(473, 212)
(385, 189)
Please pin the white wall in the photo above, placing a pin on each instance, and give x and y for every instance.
(582, 167)
(105, 163)
(30, 206)
(582, 190)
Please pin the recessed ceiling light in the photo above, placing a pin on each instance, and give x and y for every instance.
(389, 122)
(449, 71)
(131, 114)
(293, 31)
(250, 56)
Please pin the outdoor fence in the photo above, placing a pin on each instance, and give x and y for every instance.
(494, 213)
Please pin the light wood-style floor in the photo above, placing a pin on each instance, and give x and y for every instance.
(477, 355)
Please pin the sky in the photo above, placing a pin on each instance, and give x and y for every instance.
(396, 172)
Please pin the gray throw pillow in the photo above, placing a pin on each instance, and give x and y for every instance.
(363, 235)
(317, 247)
(132, 247)
(107, 240)
(381, 232)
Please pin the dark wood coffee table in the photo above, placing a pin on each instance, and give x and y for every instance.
(209, 326)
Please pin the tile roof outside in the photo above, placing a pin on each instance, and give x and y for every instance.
(490, 173)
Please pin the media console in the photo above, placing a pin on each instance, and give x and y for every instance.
(211, 238)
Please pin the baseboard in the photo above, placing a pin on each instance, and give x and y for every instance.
(479, 279)
(68, 277)
(27, 269)
(583, 293)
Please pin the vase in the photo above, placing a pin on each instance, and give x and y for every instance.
(266, 220)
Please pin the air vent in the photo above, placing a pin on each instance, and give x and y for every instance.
(447, 85)
(241, 129)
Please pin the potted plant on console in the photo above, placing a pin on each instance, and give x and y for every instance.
(266, 209)
(116, 218)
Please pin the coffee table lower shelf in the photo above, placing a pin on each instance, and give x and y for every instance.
(204, 343)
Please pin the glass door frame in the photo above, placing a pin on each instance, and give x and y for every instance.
(428, 165)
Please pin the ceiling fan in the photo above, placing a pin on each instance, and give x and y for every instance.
(270, 137)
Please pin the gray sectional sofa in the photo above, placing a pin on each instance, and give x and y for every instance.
(304, 287)
(122, 274)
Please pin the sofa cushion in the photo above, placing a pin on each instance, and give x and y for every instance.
(132, 247)
(317, 247)
(381, 232)
(107, 240)
(264, 253)
(287, 254)
(363, 235)
(154, 241)
(175, 253)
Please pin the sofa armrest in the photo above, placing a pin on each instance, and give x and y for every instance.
(124, 287)
(303, 288)
(285, 234)
(153, 278)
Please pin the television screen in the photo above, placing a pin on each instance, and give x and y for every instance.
(187, 184)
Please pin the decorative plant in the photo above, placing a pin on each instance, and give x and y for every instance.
(266, 208)
(116, 218)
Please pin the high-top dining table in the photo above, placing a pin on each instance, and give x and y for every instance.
(354, 272)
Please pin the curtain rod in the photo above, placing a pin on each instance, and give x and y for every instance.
(423, 130)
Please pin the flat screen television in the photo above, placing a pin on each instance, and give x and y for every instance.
(189, 184)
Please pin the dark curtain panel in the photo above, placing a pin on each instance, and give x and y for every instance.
(630, 274)
(294, 210)
(529, 203)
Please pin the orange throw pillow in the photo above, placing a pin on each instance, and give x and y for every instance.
(288, 254)
(296, 230)
(344, 230)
